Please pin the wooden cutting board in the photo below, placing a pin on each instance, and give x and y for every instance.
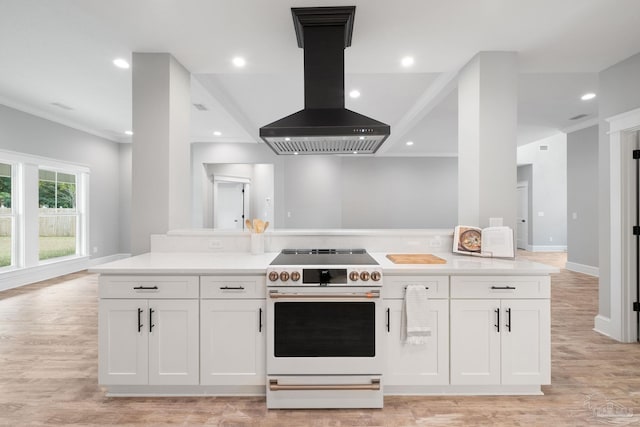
(415, 259)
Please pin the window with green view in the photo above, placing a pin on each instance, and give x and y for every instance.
(6, 216)
(58, 214)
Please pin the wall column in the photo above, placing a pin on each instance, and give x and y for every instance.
(160, 197)
(487, 124)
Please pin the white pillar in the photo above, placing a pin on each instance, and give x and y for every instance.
(160, 196)
(487, 122)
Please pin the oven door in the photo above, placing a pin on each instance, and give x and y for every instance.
(324, 331)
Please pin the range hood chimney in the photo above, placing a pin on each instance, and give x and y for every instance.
(324, 126)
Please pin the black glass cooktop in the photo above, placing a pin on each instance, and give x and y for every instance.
(324, 257)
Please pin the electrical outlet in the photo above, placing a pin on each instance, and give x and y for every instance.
(574, 215)
(95, 249)
(215, 244)
(540, 213)
(551, 239)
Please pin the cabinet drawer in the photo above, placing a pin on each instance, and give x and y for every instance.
(395, 286)
(500, 287)
(149, 286)
(233, 287)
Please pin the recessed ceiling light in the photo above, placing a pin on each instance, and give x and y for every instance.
(355, 152)
(407, 61)
(354, 93)
(121, 63)
(239, 61)
(409, 143)
(295, 152)
(362, 137)
(588, 96)
(217, 133)
(128, 132)
(287, 139)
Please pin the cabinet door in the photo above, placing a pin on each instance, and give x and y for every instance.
(426, 364)
(123, 342)
(233, 342)
(526, 342)
(475, 342)
(173, 342)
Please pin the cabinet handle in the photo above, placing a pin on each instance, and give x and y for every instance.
(151, 325)
(260, 320)
(497, 325)
(232, 288)
(504, 287)
(388, 320)
(139, 319)
(509, 319)
(145, 288)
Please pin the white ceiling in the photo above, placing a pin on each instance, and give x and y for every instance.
(61, 51)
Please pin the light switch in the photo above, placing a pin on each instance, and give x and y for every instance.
(574, 215)
(540, 213)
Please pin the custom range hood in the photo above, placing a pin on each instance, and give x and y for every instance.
(324, 126)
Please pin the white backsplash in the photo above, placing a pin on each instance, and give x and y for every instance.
(404, 241)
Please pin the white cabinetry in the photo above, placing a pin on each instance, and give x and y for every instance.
(500, 330)
(146, 336)
(232, 313)
(417, 365)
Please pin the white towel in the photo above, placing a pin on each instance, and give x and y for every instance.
(415, 315)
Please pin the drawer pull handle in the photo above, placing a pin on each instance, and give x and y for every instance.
(232, 288)
(508, 319)
(145, 288)
(388, 320)
(512, 288)
(274, 386)
(260, 320)
(497, 325)
(426, 287)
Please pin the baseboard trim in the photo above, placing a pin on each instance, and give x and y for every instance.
(582, 268)
(105, 259)
(25, 276)
(602, 325)
(547, 248)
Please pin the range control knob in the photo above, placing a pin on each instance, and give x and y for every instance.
(273, 276)
(375, 276)
(364, 276)
(354, 276)
(284, 276)
(295, 276)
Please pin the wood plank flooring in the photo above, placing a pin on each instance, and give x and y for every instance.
(48, 373)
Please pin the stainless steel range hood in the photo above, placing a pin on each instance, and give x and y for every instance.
(324, 126)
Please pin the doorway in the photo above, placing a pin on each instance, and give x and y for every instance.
(522, 220)
(230, 202)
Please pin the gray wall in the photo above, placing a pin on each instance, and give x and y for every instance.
(549, 190)
(125, 198)
(582, 200)
(344, 191)
(618, 91)
(24, 133)
(405, 192)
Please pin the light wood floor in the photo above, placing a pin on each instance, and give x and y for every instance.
(48, 373)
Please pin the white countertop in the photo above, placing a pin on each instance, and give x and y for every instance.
(245, 263)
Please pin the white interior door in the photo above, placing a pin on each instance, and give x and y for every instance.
(229, 205)
(522, 225)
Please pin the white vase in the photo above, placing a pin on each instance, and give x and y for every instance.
(257, 243)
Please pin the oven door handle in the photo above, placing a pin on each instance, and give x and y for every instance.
(370, 294)
(274, 386)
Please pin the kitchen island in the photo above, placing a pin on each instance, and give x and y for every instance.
(194, 323)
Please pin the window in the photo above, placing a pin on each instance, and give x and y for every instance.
(6, 216)
(43, 213)
(58, 216)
